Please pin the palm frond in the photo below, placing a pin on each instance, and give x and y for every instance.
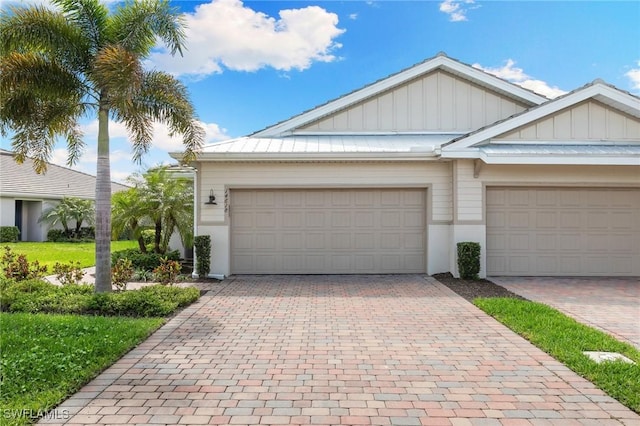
(48, 32)
(165, 99)
(118, 73)
(137, 25)
(90, 17)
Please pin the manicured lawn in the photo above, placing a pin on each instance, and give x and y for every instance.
(565, 339)
(46, 358)
(49, 253)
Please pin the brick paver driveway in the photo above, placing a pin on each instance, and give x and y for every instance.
(610, 304)
(328, 350)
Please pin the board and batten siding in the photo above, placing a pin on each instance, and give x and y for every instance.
(436, 102)
(470, 191)
(590, 120)
(220, 176)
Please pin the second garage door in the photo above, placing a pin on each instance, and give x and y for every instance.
(328, 231)
(563, 231)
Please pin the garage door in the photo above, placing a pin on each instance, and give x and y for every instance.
(562, 231)
(328, 231)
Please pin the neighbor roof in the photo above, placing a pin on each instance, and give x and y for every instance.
(20, 180)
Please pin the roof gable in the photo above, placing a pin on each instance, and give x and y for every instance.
(435, 102)
(385, 87)
(597, 100)
(590, 120)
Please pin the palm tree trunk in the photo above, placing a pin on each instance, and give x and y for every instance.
(103, 205)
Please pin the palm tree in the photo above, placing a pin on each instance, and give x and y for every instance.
(168, 203)
(70, 208)
(128, 214)
(58, 66)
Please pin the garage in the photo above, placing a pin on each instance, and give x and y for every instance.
(328, 231)
(563, 231)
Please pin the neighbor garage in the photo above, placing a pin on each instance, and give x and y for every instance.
(328, 231)
(563, 231)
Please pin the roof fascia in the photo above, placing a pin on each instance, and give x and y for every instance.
(551, 107)
(439, 61)
(315, 157)
(595, 160)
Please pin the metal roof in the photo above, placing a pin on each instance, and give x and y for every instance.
(529, 153)
(330, 144)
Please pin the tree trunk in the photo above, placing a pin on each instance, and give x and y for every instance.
(103, 205)
(158, 235)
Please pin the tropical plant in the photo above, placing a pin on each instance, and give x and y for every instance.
(203, 255)
(128, 215)
(59, 65)
(69, 209)
(166, 202)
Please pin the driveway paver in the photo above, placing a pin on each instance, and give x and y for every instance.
(323, 350)
(609, 304)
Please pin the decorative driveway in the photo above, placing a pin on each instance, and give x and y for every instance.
(609, 304)
(328, 350)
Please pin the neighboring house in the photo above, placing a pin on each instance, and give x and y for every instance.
(24, 194)
(388, 178)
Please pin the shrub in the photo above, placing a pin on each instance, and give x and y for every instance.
(167, 272)
(85, 234)
(146, 261)
(9, 234)
(202, 244)
(68, 274)
(18, 268)
(37, 296)
(142, 275)
(121, 274)
(469, 260)
(57, 235)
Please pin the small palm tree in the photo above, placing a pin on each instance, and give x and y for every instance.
(70, 208)
(58, 66)
(128, 215)
(167, 201)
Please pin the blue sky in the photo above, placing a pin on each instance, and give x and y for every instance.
(254, 63)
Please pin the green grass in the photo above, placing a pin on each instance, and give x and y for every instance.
(565, 339)
(48, 253)
(46, 358)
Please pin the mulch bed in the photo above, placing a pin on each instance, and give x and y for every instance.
(471, 289)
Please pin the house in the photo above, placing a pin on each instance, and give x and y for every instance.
(388, 178)
(24, 194)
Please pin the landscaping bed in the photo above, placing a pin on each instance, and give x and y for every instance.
(472, 289)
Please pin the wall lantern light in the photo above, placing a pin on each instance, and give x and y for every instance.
(212, 198)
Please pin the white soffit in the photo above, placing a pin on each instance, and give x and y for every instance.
(442, 61)
(598, 90)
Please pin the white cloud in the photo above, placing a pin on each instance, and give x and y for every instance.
(226, 34)
(457, 9)
(634, 75)
(517, 76)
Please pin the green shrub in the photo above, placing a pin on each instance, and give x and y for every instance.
(146, 261)
(121, 274)
(167, 272)
(57, 235)
(149, 237)
(468, 260)
(9, 234)
(36, 296)
(86, 234)
(18, 268)
(68, 274)
(202, 244)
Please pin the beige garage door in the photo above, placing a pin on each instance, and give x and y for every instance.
(328, 231)
(563, 232)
